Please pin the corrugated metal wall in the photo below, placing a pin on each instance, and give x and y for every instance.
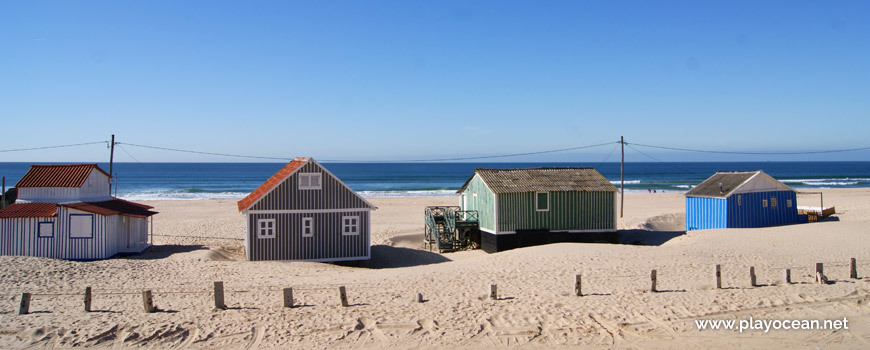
(19, 236)
(752, 213)
(327, 242)
(95, 188)
(582, 211)
(485, 203)
(709, 213)
(287, 196)
(705, 213)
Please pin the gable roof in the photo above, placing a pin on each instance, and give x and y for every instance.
(724, 184)
(113, 207)
(542, 179)
(58, 175)
(279, 177)
(29, 210)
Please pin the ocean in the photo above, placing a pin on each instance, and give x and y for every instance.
(162, 181)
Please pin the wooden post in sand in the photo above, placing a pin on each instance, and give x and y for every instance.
(493, 291)
(87, 299)
(653, 278)
(342, 294)
(820, 274)
(718, 276)
(786, 276)
(853, 269)
(577, 286)
(420, 297)
(24, 304)
(288, 297)
(752, 279)
(219, 296)
(147, 301)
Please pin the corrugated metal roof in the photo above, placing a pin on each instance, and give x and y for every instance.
(58, 175)
(113, 207)
(29, 210)
(273, 181)
(543, 179)
(721, 184)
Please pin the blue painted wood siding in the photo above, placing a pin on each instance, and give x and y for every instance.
(744, 210)
(327, 242)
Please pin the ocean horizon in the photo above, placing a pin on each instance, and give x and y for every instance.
(192, 181)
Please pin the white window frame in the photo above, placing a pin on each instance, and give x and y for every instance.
(266, 232)
(45, 229)
(307, 181)
(74, 227)
(764, 203)
(537, 198)
(308, 225)
(788, 203)
(350, 229)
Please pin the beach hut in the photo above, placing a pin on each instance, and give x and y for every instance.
(524, 207)
(740, 200)
(305, 213)
(64, 211)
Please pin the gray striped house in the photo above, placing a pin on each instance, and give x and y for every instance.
(305, 213)
(64, 211)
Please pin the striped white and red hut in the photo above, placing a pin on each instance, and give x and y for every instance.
(65, 211)
(305, 213)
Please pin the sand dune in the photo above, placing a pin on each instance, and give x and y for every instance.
(199, 243)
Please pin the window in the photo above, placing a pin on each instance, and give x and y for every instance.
(788, 203)
(773, 202)
(46, 229)
(764, 203)
(309, 181)
(307, 227)
(266, 228)
(739, 200)
(81, 226)
(542, 201)
(349, 225)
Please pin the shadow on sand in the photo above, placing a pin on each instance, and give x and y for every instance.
(387, 257)
(646, 237)
(164, 251)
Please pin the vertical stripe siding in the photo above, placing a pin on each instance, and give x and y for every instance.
(485, 203)
(568, 211)
(20, 236)
(326, 243)
(709, 213)
(288, 196)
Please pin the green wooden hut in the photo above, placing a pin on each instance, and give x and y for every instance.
(525, 207)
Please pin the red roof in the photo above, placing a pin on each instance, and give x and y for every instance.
(29, 210)
(113, 207)
(58, 175)
(273, 181)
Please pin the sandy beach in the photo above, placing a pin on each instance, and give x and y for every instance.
(199, 242)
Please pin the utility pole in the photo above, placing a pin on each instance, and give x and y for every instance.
(622, 177)
(3, 195)
(111, 161)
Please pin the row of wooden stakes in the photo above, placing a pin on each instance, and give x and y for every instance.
(148, 300)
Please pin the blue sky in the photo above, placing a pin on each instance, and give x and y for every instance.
(392, 80)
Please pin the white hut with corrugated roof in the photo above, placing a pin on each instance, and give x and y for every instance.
(65, 211)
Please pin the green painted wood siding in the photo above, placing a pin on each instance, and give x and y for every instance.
(485, 203)
(568, 211)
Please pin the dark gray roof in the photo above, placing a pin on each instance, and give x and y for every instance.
(542, 179)
(721, 184)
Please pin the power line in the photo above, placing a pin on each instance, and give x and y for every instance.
(201, 152)
(49, 147)
(128, 153)
(752, 153)
(368, 161)
(660, 161)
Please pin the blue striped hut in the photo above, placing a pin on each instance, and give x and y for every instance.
(740, 200)
(305, 213)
